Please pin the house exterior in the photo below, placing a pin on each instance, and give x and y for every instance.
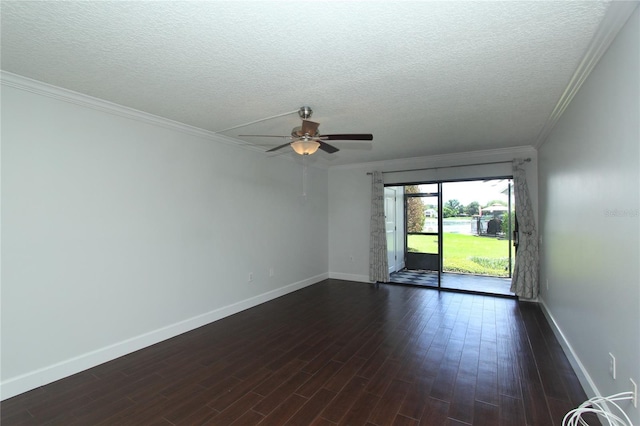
(431, 213)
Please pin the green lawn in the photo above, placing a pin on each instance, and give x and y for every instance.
(466, 253)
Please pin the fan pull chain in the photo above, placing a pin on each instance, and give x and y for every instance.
(304, 175)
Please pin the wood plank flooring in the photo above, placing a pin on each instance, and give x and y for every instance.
(336, 353)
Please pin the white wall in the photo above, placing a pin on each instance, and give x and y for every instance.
(350, 198)
(117, 233)
(349, 216)
(589, 214)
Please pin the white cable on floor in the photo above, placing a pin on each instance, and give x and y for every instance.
(599, 405)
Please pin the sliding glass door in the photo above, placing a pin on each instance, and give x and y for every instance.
(458, 235)
(478, 220)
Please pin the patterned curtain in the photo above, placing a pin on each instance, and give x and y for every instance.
(378, 261)
(525, 273)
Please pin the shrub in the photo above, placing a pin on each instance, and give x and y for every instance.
(468, 266)
(501, 263)
(505, 222)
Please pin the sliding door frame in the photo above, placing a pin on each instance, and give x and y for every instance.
(439, 194)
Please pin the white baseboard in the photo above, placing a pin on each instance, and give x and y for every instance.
(583, 375)
(34, 379)
(349, 277)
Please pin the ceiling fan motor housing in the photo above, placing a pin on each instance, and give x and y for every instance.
(297, 133)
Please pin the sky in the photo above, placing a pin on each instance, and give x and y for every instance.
(480, 191)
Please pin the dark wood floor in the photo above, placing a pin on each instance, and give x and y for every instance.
(333, 353)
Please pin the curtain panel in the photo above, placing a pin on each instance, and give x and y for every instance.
(378, 260)
(524, 282)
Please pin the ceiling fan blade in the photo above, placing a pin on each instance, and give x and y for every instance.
(279, 147)
(348, 137)
(266, 136)
(327, 148)
(309, 127)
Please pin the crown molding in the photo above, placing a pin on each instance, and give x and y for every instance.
(48, 90)
(616, 16)
(80, 99)
(444, 160)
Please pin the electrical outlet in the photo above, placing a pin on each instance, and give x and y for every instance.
(250, 276)
(612, 365)
(271, 272)
(547, 283)
(634, 389)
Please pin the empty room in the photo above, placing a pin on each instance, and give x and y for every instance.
(320, 213)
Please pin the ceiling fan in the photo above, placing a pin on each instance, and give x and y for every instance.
(306, 140)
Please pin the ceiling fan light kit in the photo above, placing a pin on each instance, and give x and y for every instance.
(305, 147)
(306, 140)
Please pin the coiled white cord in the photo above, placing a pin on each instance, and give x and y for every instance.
(599, 405)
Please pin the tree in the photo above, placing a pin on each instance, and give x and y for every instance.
(472, 208)
(452, 208)
(453, 204)
(505, 222)
(415, 210)
(449, 212)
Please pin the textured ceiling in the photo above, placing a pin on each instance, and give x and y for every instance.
(425, 78)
